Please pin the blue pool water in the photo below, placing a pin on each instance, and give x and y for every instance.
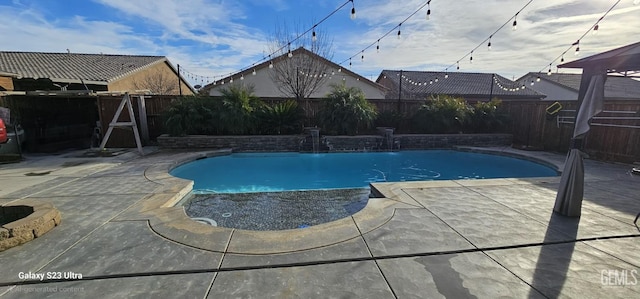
(268, 172)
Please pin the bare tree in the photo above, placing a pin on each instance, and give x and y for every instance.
(157, 83)
(295, 73)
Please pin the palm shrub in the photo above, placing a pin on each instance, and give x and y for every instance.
(345, 110)
(442, 115)
(185, 116)
(238, 111)
(281, 118)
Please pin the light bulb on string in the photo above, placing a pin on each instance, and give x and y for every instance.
(436, 80)
(595, 29)
(353, 10)
(289, 54)
(577, 44)
(532, 83)
(399, 30)
(489, 43)
(538, 79)
(514, 26)
(457, 65)
(430, 81)
(254, 72)
(428, 9)
(350, 64)
(313, 35)
(242, 77)
(471, 57)
(446, 75)
(378, 47)
(231, 80)
(270, 64)
(549, 71)
(562, 58)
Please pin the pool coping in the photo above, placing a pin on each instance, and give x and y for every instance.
(171, 221)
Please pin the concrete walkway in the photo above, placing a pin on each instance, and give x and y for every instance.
(439, 239)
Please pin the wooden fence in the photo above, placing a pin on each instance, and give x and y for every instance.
(529, 125)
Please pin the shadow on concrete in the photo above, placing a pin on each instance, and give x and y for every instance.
(553, 261)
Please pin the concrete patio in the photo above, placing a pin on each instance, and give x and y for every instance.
(438, 239)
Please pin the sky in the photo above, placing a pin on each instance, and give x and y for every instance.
(213, 38)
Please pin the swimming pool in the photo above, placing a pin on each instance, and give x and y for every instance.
(270, 172)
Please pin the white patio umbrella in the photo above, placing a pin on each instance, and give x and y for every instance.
(571, 190)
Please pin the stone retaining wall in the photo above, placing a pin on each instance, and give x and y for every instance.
(24, 220)
(302, 143)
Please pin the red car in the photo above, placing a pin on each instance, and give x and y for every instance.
(3, 132)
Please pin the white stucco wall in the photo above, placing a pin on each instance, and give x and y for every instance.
(265, 87)
(553, 91)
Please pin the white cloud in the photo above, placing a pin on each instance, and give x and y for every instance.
(218, 37)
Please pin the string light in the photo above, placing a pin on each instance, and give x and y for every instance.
(515, 22)
(577, 43)
(254, 72)
(471, 57)
(378, 47)
(488, 39)
(289, 54)
(489, 44)
(231, 80)
(270, 64)
(353, 10)
(312, 29)
(242, 77)
(391, 31)
(549, 72)
(313, 35)
(428, 9)
(362, 57)
(595, 29)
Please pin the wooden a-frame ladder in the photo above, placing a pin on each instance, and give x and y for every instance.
(126, 100)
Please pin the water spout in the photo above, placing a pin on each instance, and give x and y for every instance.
(315, 136)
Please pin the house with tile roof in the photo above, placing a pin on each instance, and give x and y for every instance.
(420, 85)
(261, 78)
(565, 87)
(30, 71)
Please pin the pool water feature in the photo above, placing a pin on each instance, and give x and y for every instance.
(270, 172)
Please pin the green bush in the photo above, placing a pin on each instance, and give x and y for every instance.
(389, 118)
(282, 118)
(186, 116)
(487, 117)
(442, 115)
(239, 109)
(345, 110)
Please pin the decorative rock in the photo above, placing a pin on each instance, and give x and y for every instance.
(25, 220)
